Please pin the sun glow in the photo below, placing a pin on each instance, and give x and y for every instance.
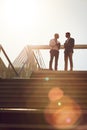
(20, 13)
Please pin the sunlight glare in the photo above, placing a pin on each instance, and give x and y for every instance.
(20, 13)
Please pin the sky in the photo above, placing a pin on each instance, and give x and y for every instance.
(34, 22)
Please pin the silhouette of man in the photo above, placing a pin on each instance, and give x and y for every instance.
(68, 52)
(54, 51)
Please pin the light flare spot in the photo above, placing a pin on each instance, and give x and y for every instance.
(55, 94)
(59, 103)
(68, 120)
(66, 116)
(47, 78)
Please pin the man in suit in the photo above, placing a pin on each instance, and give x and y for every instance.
(68, 52)
(54, 51)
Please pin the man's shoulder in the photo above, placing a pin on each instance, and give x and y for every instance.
(71, 38)
(52, 42)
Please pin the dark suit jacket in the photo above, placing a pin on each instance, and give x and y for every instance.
(69, 45)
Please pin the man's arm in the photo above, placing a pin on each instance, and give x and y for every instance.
(72, 42)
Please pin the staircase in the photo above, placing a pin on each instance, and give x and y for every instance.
(24, 101)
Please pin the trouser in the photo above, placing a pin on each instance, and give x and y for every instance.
(66, 57)
(53, 54)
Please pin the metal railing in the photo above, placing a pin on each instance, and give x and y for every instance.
(79, 56)
(31, 59)
(78, 46)
(25, 63)
(9, 61)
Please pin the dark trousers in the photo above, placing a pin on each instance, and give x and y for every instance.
(53, 54)
(66, 57)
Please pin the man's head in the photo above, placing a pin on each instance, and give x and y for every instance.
(67, 34)
(56, 35)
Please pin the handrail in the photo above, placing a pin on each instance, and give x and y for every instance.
(78, 46)
(25, 62)
(1, 48)
(36, 60)
(39, 59)
(47, 47)
(29, 57)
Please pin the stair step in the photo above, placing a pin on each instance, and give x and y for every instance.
(32, 94)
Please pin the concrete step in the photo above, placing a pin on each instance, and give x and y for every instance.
(60, 74)
(22, 101)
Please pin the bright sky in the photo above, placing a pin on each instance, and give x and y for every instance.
(25, 22)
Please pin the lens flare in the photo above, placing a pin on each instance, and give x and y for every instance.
(55, 94)
(46, 78)
(65, 115)
(59, 103)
